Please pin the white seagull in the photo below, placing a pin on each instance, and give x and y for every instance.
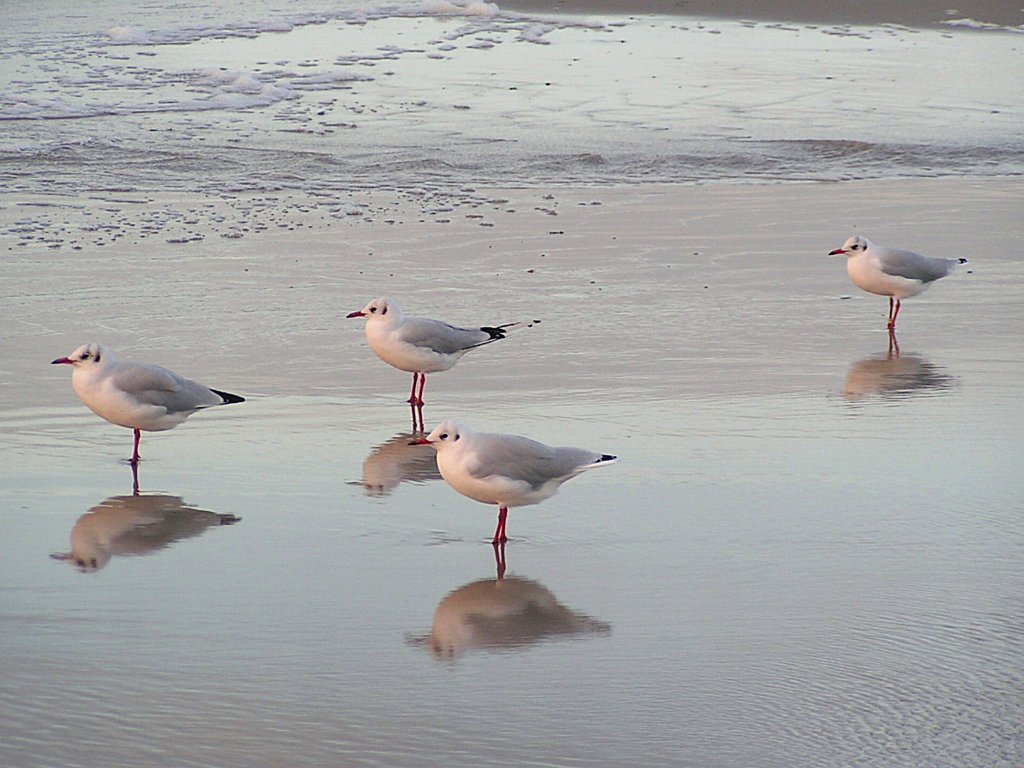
(506, 470)
(892, 272)
(137, 395)
(418, 344)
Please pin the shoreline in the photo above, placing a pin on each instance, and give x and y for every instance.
(55, 220)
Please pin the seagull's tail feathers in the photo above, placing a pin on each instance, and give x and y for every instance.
(604, 459)
(498, 332)
(227, 397)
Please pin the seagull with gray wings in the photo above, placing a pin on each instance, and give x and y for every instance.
(892, 272)
(420, 345)
(137, 395)
(507, 470)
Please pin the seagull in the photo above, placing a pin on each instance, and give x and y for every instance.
(892, 272)
(506, 470)
(137, 395)
(420, 345)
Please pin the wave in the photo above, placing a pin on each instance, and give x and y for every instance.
(109, 164)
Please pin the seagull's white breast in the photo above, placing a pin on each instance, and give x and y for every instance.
(865, 271)
(98, 391)
(456, 467)
(387, 343)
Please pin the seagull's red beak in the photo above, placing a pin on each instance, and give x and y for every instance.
(356, 314)
(421, 441)
(62, 361)
(836, 252)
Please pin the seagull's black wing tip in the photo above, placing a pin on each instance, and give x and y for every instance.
(494, 333)
(228, 397)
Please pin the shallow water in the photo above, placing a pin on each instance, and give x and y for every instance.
(809, 553)
(788, 580)
(332, 98)
(263, 118)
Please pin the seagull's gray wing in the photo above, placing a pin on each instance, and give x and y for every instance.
(441, 337)
(526, 460)
(158, 386)
(914, 266)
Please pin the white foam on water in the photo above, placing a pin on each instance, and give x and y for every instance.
(472, 8)
(134, 35)
(382, 89)
(129, 35)
(981, 25)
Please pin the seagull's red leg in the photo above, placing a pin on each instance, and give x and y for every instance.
(499, 532)
(895, 314)
(135, 478)
(135, 454)
(415, 399)
(890, 313)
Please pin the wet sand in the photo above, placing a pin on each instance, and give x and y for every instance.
(797, 511)
(676, 290)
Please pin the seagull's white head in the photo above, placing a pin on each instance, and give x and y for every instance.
(852, 247)
(90, 355)
(446, 434)
(379, 309)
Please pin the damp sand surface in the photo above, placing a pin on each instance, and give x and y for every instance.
(808, 554)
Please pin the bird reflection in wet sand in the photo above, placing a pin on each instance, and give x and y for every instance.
(418, 425)
(135, 525)
(399, 460)
(502, 614)
(893, 375)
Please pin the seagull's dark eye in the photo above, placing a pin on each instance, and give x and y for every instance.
(84, 356)
(444, 436)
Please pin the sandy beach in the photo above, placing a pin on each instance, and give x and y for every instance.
(809, 551)
(682, 289)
